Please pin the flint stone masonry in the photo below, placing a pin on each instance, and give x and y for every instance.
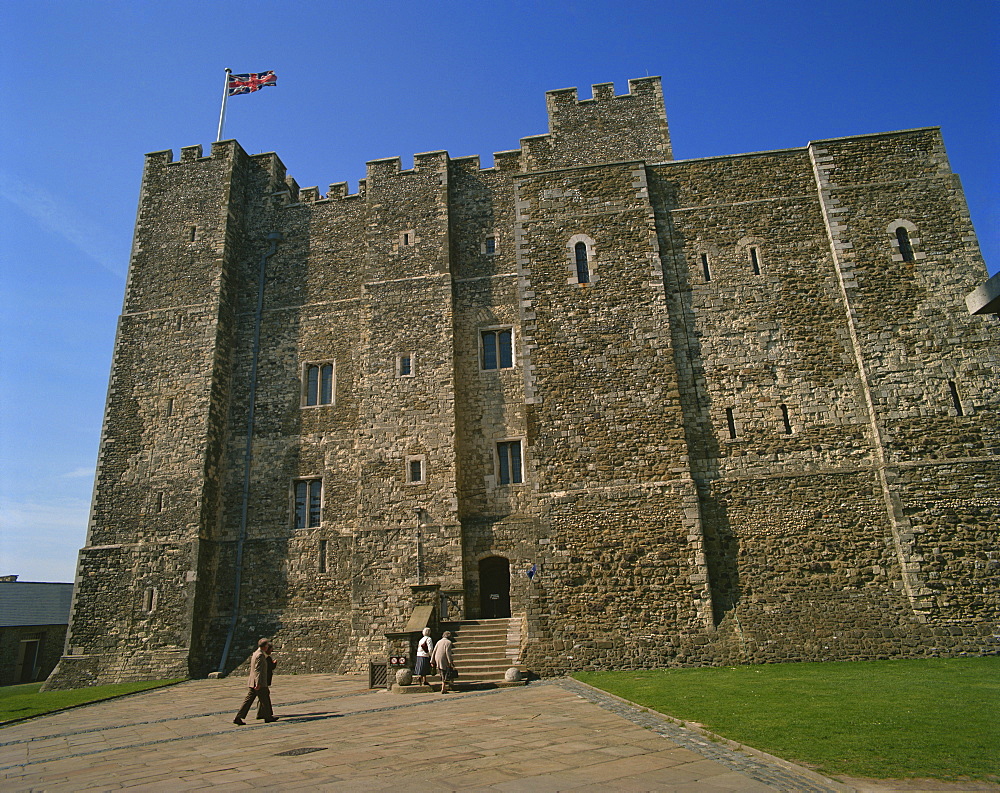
(848, 512)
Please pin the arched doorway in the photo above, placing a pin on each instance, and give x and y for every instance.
(494, 587)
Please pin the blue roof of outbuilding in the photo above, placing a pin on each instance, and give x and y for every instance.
(34, 603)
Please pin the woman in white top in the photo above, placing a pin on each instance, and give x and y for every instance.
(424, 649)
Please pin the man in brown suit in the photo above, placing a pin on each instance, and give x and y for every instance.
(261, 668)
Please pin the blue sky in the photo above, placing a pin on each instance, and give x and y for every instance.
(90, 87)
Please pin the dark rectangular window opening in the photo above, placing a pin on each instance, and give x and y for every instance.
(905, 245)
(754, 261)
(322, 556)
(416, 471)
(159, 502)
(308, 503)
(491, 245)
(192, 234)
(498, 349)
(169, 409)
(509, 456)
(582, 265)
(705, 268)
(405, 366)
(731, 421)
(955, 401)
(784, 420)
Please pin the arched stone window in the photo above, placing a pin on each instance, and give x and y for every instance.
(581, 260)
(905, 241)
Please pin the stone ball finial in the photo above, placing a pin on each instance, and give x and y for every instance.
(512, 675)
(404, 677)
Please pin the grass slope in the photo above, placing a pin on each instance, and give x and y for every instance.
(933, 717)
(25, 701)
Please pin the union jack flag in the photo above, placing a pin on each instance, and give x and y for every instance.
(248, 83)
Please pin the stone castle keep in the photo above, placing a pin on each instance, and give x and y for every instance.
(722, 410)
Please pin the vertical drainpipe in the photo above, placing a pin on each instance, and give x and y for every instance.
(273, 237)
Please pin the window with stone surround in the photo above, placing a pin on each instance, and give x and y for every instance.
(416, 469)
(496, 348)
(581, 260)
(407, 238)
(706, 268)
(405, 364)
(750, 249)
(510, 464)
(905, 242)
(317, 383)
(490, 245)
(307, 495)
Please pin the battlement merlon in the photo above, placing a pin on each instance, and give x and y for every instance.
(634, 123)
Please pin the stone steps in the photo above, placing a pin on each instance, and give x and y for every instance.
(485, 649)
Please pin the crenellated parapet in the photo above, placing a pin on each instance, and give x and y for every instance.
(606, 128)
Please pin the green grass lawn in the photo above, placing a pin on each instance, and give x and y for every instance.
(20, 702)
(937, 717)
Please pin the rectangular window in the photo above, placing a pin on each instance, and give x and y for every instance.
(731, 421)
(322, 556)
(491, 246)
(754, 261)
(705, 268)
(308, 503)
(317, 384)
(509, 462)
(497, 348)
(404, 365)
(416, 469)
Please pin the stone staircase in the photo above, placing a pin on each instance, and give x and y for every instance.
(485, 649)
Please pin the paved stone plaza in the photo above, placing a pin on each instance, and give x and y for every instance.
(337, 735)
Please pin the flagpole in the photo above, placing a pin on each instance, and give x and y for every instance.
(222, 113)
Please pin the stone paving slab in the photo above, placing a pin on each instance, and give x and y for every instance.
(548, 736)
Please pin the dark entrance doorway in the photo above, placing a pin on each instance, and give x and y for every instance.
(494, 587)
(27, 660)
